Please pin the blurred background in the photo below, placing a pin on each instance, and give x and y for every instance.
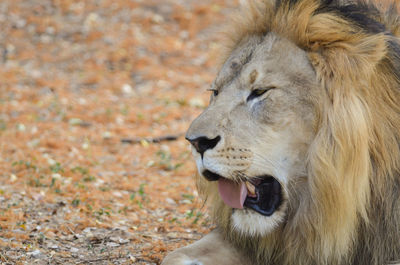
(95, 98)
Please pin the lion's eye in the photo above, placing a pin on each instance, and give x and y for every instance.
(258, 92)
(214, 91)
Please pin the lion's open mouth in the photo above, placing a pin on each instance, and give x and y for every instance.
(263, 195)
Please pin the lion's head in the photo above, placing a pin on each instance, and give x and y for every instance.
(299, 149)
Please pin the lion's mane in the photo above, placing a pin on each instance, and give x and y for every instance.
(348, 209)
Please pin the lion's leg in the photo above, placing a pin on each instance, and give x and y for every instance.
(210, 250)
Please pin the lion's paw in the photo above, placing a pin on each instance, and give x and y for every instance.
(176, 258)
(210, 250)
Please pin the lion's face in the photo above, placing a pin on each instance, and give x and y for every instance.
(252, 140)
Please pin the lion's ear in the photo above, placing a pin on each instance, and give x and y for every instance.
(347, 66)
(346, 53)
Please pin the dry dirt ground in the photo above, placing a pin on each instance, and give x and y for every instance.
(86, 90)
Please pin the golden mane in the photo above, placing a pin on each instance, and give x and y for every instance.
(352, 195)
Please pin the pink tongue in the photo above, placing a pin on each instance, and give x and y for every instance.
(232, 194)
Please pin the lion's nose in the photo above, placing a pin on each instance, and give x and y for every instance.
(202, 144)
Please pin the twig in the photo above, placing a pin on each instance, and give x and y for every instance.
(98, 259)
(3, 258)
(72, 231)
(112, 258)
(180, 238)
(142, 259)
(165, 138)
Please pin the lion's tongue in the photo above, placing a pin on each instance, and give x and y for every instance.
(232, 194)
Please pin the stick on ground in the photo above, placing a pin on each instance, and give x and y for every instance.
(160, 139)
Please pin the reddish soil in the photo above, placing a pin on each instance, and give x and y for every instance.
(86, 86)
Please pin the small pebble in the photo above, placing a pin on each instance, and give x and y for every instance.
(74, 250)
(34, 254)
(112, 244)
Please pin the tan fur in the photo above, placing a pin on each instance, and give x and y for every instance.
(347, 209)
(212, 249)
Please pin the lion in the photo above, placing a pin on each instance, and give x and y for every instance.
(298, 152)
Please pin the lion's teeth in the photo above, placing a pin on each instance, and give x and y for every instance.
(250, 188)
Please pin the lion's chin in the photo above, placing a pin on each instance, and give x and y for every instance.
(251, 223)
